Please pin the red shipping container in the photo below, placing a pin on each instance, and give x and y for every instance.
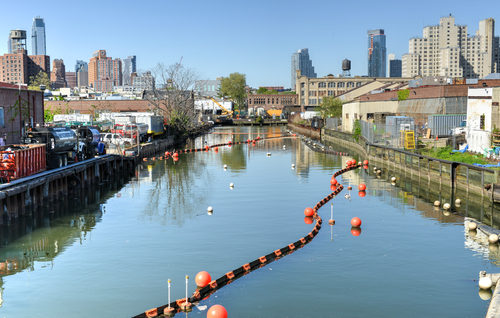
(19, 161)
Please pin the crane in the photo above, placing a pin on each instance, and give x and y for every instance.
(224, 110)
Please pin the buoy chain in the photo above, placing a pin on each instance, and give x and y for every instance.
(213, 286)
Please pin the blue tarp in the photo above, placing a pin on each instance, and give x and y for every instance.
(463, 150)
(487, 166)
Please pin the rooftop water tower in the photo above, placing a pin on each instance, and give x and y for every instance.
(17, 41)
(346, 68)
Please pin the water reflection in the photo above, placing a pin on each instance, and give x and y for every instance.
(43, 236)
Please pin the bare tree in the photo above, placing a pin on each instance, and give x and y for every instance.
(171, 94)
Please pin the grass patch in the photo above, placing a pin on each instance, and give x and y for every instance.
(446, 153)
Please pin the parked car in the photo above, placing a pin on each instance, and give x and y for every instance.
(117, 139)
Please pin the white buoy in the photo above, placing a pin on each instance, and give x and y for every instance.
(493, 238)
(284, 147)
(225, 166)
(437, 203)
(485, 283)
(293, 166)
(446, 206)
(231, 185)
(472, 225)
(269, 154)
(446, 213)
(458, 201)
(393, 179)
(347, 196)
(374, 168)
(457, 205)
(393, 184)
(379, 172)
(210, 209)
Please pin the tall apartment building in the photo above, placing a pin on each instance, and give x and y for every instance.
(129, 67)
(38, 46)
(376, 53)
(448, 50)
(395, 68)
(19, 67)
(302, 62)
(104, 68)
(58, 74)
(16, 41)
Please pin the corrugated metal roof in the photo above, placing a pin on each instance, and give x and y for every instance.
(493, 76)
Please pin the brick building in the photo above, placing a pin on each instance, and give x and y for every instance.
(70, 79)
(32, 109)
(418, 102)
(271, 101)
(58, 74)
(104, 69)
(19, 67)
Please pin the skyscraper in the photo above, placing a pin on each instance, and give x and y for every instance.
(395, 68)
(376, 53)
(129, 67)
(81, 66)
(302, 62)
(38, 37)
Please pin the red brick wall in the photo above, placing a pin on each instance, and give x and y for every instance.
(266, 100)
(84, 106)
(12, 121)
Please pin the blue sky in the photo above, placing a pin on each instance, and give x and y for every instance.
(217, 38)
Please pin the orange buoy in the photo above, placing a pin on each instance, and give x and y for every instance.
(362, 194)
(176, 158)
(353, 162)
(202, 279)
(167, 153)
(356, 222)
(349, 188)
(331, 222)
(216, 148)
(333, 188)
(253, 141)
(308, 220)
(217, 311)
(365, 167)
(248, 140)
(144, 159)
(365, 162)
(309, 212)
(229, 142)
(356, 231)
(333, 181)
(362, 187)
(175, 155)
(258, 137)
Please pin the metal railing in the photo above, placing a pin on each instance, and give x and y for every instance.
(461, 175)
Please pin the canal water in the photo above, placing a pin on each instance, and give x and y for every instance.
(110, 252)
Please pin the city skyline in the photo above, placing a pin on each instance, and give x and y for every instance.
(266, 62)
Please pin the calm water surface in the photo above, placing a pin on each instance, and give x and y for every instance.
(110, 254)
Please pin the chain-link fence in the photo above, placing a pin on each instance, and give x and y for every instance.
(399, 136)
(333, 123)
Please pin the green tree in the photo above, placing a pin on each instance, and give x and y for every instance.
(262, 90)
(41, 78)
(233, 87)
(330, 107)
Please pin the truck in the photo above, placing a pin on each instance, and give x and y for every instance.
(62, 144)
(19, 161)
(155, 124)
(130, 131)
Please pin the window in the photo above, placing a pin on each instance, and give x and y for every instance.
(322, 85)
(313, 101)
(2, 124)
(331, 84)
